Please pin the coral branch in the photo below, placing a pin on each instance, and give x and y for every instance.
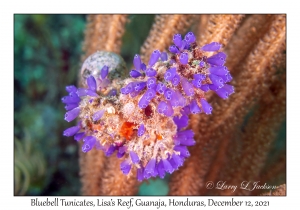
(104, 32)
(200, 161)
(164, 27)
(220, 28)
(113, 182)
(91, 171)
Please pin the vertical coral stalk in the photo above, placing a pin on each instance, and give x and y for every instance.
(113, 181)
(103, 32)
(252, 29)
(162, 31)
(197, 166)
(259, 135)
(219, 28)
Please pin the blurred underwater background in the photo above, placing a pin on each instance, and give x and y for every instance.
(47, 53)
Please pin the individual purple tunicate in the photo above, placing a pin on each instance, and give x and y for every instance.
(125, 166)
(71, 115)
(214, 46)
(190, 37)
(183, 151)
(70, 100)
(187, 46)
(110, 150)
(174, 49)
(213, 87)
(138, 86)
(219, 70)
(154, 57)
(120, 154)
(181, 122)
(165, 108)
(216, 80)
(97, 115)
(104, 72)
(229, 88)
(185, 138)
(151, 83)
(143, 67)
(217, 59)
(229, 77)
(135, 73)
(186, 133)
(91, 93)
(146, 98)
(160, 169)
(134, 94)
(207, 108)
(167, 166)
(164, 56)
(177, 99)
(91, 82)
(201, 64)
(177, 160)
(134, 157)
(71, 131)
(161, 88)
(198, 78)
(155, 172)
(184, 58)
(149, 169)
(195, 109)
(112, 92)
(141, 130)
(71, 106)
(205, 87)
(71, 88)
(177, 40)
(150, 72)
(184, 44)
(170, 73)
(222, 92)
(89, 143)
(186, 110)
(140, 174)
(176, 80)
(187, 87)
(137, 62)
(128, 88)
(168, 94)
(79, 136)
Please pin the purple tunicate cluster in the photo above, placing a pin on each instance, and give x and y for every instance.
(173, 161)
(180, 85)
(73, 110)
(173, 85)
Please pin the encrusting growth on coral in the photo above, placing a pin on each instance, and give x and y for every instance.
(200, 124)
(92, 164)
(119, 116)
(212, 128)
(162, 31)
(122, 115)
